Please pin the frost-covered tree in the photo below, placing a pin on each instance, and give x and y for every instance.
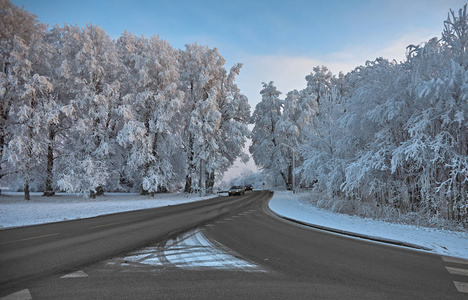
(151, 130)
(375, 110)
(58, 108)
(437, 145)
(325, 148)
(25, 91)
(20, 29)
(26, 147)
(267, 141)
(91, 155)
(319, 82)
(288, 132)
(215, 115)
(392, 135)
(97, 114)
(233, 131)
(201, 74)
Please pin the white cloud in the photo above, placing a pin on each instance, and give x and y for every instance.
(288, 72)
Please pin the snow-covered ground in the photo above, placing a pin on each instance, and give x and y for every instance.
(442, 242)
(14, 211)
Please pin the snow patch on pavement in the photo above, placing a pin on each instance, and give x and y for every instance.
(191, 250)
(15, 211)
(444, 242)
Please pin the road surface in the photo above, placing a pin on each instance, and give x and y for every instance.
(223, 248)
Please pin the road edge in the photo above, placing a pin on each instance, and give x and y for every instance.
(346, 233)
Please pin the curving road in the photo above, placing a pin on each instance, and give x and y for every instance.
(223, 248)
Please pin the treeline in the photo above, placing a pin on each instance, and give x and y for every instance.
(83, 113)
(391, 134)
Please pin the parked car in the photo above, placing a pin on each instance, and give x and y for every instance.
(236, 190)
(248, 187)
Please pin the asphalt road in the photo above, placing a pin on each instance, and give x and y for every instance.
(224, 248)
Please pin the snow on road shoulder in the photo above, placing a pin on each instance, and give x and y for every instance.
(15, 212)
(442, 242)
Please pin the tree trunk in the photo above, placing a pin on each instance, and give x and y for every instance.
(188, 177)
(284, 177)
(200, 178)
(26, 189)
(49, 190)
(99, 191)
(188, 183)
(2, 141)
(210, 180)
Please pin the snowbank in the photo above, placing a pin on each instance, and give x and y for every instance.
(14, 211)
(444, 242)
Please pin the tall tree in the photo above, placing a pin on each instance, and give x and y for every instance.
(266, 144)
(20, 29)
(201, 75)
(26, 70)
(232, 131)
(89, 163)
(151, 129)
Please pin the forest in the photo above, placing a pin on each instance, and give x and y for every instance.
(388, 136)
(83, 113)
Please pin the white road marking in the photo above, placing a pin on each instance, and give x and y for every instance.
(117, 223)
(21, 295)
(31, 238)
(455, 260)
(77, 274)
(457, 271)
(462, 287)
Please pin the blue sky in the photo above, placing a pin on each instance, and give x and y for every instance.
(278, 41)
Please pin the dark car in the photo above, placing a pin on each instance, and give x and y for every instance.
(236, 190)
(248, 187)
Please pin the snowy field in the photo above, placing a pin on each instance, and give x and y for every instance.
(14, 211)
(442, 242)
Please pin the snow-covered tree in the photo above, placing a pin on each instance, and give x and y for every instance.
(201, 74)
(27, 145)
(25, 92)
(392, 134)
(89, 162)
(267, 141)
(319, 82)
(151, 131)
(324, 149)
(233, 131)
(215, 115)
(94, 113)
(374, 112)
(20, 36)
